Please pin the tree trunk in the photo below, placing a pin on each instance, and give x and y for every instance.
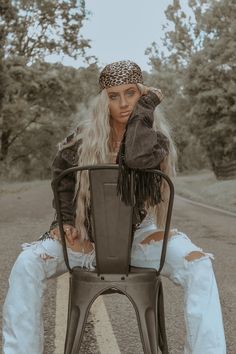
(4, 144)
(5, 133)
(225, 171)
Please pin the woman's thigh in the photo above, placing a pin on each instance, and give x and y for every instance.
(147, 247)
(49, 253)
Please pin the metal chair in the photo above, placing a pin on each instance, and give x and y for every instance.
(112, 234)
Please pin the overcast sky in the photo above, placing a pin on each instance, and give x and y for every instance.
(123, 29)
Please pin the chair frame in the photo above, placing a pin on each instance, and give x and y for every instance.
(161, 340)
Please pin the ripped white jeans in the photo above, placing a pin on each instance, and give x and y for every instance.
(22, 313)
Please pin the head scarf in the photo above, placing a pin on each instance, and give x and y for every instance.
(120, 73)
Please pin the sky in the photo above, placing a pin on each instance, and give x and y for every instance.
(122, 29)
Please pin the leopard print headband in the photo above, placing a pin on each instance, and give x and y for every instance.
(119, 73)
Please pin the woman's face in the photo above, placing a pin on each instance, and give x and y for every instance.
(122, 100)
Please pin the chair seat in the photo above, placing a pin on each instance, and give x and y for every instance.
(115, 283)
(133, 272)
(132, 269)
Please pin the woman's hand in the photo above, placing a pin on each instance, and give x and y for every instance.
(71, 233)
(158, 92)
(72, 239)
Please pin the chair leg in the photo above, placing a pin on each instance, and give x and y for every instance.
(72, 323)
(148, 330)
(68, 318)
(145, 307)
(78, 310)
(163, 345)
(75, 329)
(81, 297)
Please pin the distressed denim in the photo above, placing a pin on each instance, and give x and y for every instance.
(41, 260)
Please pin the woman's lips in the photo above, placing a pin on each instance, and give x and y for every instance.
(124, 114)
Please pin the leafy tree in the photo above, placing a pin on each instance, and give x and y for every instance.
(168, 74)
(34, 29)
(211, 81)
(30, 30)
(42, 105)
(7, 14)
(200, 53)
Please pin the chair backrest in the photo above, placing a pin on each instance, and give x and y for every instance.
(111, 218)
(111, 223)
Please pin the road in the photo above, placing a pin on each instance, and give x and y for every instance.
(26, 212)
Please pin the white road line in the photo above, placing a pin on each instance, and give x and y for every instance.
(61, 312)
(104, 333)
(207, 206)
(103, 330)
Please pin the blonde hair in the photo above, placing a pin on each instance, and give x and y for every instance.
(96, 148)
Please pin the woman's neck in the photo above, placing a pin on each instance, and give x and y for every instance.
(117, 132)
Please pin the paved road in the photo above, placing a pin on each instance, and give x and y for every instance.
(26, 212)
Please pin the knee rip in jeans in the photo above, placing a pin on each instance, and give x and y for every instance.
(192, 256)
(157, 236)
(45, 256)
(196, 256)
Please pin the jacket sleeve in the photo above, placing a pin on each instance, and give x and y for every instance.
(144, 147)
(64, 159)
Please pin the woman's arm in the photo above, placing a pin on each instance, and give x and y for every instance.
(64, 159)
(144, 147)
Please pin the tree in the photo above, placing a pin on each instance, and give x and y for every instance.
(201, 54)
(43, 104)
(30, 30)
(211, 80)
(34, 29)
(7, 14)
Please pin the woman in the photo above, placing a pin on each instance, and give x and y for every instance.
(122, 127)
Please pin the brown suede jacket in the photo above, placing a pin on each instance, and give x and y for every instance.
(144, 148)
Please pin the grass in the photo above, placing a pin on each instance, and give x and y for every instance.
(203, 187)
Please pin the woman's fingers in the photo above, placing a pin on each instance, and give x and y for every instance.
(71, 233)
(146, 89)
(55, 232)
(158, 92)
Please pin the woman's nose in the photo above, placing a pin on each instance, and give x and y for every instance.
(123, 101)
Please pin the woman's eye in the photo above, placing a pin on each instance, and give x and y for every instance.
(130, 93)
(113, 97)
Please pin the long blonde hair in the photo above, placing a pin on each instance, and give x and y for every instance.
(96, 148)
